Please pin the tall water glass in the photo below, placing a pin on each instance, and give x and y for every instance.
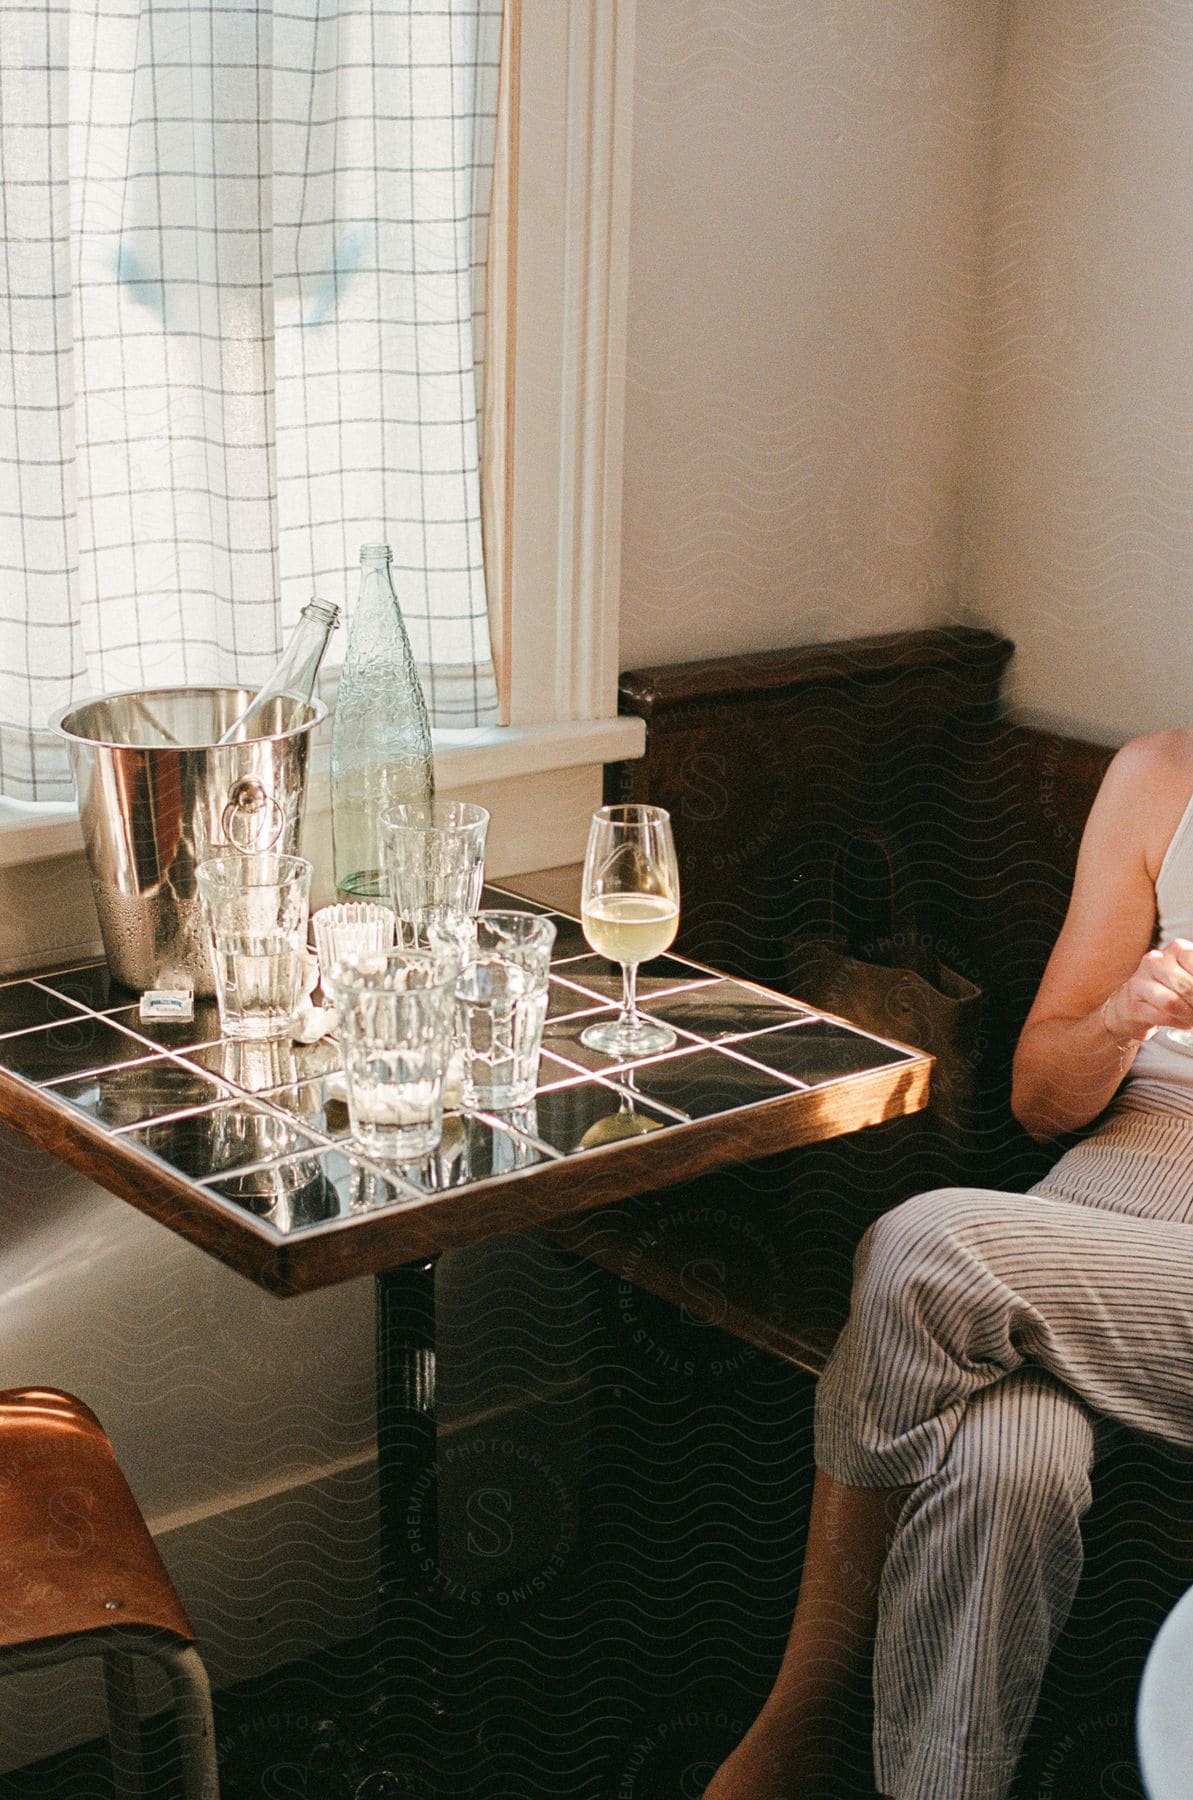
(501, 1004)
(256, 907)
(434, 858)
(629, 909)
(395, 1024)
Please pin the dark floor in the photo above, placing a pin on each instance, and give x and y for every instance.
(628, 1672)
(637, 1668)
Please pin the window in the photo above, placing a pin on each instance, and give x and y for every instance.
(239, 247)
(556, 409)
(556, 414)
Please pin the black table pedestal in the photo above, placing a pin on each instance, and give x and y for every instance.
(391, 1747)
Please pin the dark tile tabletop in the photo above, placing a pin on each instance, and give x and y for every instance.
(246, 1150)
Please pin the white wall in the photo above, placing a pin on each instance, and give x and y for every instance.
(1081, 481)
(245, 1424)
(809, 189)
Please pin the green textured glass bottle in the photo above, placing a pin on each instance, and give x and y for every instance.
(380, 735)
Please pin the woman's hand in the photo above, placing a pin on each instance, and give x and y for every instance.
(1158, 994)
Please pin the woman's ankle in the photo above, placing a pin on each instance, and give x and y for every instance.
(775, 1761)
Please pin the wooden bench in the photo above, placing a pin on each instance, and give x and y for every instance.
(769, 763)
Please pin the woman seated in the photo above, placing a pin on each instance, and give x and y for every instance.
(955, 1420)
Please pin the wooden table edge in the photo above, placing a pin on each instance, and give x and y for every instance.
(572, 1185)
(132, 1173)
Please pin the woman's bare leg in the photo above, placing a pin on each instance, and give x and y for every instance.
(790, 1744)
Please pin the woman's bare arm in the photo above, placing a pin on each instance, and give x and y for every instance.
(1105, 991)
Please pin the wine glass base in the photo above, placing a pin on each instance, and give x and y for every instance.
(643, 1037)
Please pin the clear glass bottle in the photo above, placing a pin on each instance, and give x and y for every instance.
(380, 733)
(293, 675)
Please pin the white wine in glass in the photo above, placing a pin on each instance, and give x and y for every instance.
(630, 913)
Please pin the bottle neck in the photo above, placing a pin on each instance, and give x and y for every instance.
(295, 674)
(316, 624)
(376, 584)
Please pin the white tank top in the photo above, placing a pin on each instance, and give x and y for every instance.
(1160, 1059)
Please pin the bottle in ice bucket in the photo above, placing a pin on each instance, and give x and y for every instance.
(293, 677)
(380, 734)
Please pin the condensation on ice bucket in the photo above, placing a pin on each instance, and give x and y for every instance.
(157, 795)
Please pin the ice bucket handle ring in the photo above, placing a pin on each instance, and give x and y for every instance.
(248, 813)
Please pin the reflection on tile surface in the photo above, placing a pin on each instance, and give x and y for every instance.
(204, 1028)
(474, 1149)
(309, 1190)
(705, 1082)
(273, 1063)
(588, 1114)
(552, 1071)
(563, 1000)
(817, 1052)
(223, 1137)
(78, 1044)
(724, 1009)
(139, 1091)
(308, 1102)
(90, 985)
(24, 1005)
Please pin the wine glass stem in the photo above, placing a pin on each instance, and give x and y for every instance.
(629, 996)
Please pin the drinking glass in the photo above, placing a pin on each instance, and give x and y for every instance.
(352, 928)
(501, 1003)
(395, 1023)
(256, 906)
(629, 909)
(434, 861)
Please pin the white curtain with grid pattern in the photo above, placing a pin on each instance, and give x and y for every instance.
(240, 252)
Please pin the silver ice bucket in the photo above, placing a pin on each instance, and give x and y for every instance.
(157, 795)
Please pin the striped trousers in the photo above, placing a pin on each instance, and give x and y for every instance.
(988, 1333)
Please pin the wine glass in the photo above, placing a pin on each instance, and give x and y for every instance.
(630, 912)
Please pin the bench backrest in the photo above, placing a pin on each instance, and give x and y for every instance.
(777, 766)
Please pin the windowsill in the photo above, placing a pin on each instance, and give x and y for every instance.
(501, 752)
(35, 832)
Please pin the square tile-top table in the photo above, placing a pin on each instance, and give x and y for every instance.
(238, 1147)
